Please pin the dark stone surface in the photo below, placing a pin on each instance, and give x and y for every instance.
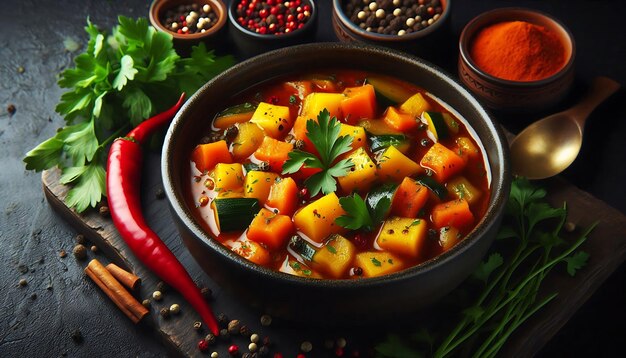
(58, 304)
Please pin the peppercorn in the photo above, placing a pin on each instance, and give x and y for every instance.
(299, 144)
(145, 303)
(569, 226)
(233, 327)
(197, 325)
(272, 17)
(159, 194)
(425, 142)
(357, 271)
(266, 320)
(264, 166)
(80, 239)
(165, 312)
(33, 296)
(306, 346)
(254, 338)
(210, 338)
(104, 211)
(224, 334)
(157, 295)
(222, 319)
(244, 331)
(393, 17)
(11, 109)
(207, 293)
(341, 342)
(94, 248)
(252, 347)
(62, 254)
(233, 350)
(175, 308)
(214, 355)
(189, 19)
(80, 252)
(77, 336)
(203, 345)
(23, 282)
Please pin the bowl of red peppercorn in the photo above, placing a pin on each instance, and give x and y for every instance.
(257, 26)
(516, 59)
(190, 21)
(419, 27)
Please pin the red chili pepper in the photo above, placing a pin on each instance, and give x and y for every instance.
(123, 192)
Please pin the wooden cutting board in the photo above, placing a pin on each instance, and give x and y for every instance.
(606, 246)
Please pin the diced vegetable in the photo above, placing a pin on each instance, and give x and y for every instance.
(297, 268)
(403, 236)
(437, 128)
(363, 174)
(233, 214)
(466, 149)
(375, 195)
(393, 165)
(252, 251)
(438, 189)
(248, 139)
(274, 152)
(335, 257)
(415, 105)
(206, 156)
(275, 120)
(318, 101)
(317, 220)
(302, 88)
(461, 188)
(452, 124)
(443, 162)
(376, 263)
(270, 229)
(409, 198)
(382, 141)
(359, 103)
(302, 247)
(359, 138)
(389, 92)
(235, 114)
(400, 121)
(377, 127)
(228, 176)
(257, 185)
(448, 237)
(300, 132)
(284, 196)
(455, 213)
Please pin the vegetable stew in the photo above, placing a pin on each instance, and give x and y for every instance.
(338, 174)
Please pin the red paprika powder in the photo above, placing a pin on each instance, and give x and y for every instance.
(518, 51)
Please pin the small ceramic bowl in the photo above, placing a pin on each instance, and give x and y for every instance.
(508, 95)
(424, 43)
(250, 43)
(212, 36)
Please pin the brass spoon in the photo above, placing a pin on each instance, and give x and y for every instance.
(550, 145)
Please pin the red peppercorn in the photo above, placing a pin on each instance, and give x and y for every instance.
(339, 352)
(203, 345)
(301, 355)
(233, 350)
(278, 355)
(304, 193)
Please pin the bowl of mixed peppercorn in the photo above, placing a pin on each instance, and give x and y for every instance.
(257, 26)
(414, 26)
(190, 22)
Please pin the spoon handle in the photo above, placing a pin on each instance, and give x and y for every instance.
(601, 89)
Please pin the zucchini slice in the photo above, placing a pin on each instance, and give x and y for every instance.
(437, 128)
(235, 114)
(232, 214)
(387, 92)
(434, 186)
(302, 248)
(385, 190)
(383, 141)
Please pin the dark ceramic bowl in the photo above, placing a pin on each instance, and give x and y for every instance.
(347, 301)
(249, 43)
(213, 36)
(507, 95)
(430, 42)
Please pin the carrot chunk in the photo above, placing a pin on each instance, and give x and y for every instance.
(409, 199)
(270, 229)
(284, 196)
(206, 156)
(251, 251)
(455, 213)
(443, 162)
(274, 152)
(399, 121)
(359, 103)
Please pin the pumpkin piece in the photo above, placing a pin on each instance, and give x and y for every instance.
(443, 162)
(275, 120)
(358, 103)
(415, 105)
(448, 237)
(300, 133)
(399, 121)
(455, 213)
(393, 165)
(403, 236)
(249, 138)
(359, 138)
(376, 263)
(228, 176)
(232, 115)
(284, 196)
(316, 102)
(251, 251)
(274, 152)
(377, 127)
(258, 184)
(296, 268)
(317, 220)
(335, 257)
(270, 229)
(461, 188)
(409, 198)
(466, 149)
(361, 177)
(206, 156)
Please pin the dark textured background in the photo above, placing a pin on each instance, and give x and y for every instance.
(38, 320)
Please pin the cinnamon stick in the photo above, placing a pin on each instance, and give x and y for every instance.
(126, 278)
(116, 292)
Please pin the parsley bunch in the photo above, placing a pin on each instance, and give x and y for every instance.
(324, 134)
(509, 292)
(120, 80)
(359, 216)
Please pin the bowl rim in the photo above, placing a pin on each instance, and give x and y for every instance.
(373, 36)
(499, 193)
(271, 37)
(158, 5)
(471, 28)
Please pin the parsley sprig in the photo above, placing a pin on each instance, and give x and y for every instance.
(324, 134)
(509, 290)
(359, 216)
(121, 79)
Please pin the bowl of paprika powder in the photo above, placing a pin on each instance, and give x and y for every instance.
(516, 59)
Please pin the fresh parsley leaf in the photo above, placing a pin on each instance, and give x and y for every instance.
(485, 268)
(324, 134)
(46, 155)
(357, 217)
(89, 187)
(127, 72)
(376, 262)
(576, 262)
